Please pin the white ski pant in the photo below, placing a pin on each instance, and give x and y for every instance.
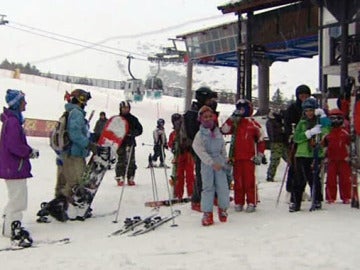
(17, 203)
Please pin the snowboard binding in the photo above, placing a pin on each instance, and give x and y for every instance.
(19, 236)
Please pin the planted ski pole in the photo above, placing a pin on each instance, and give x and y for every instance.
(290, 159)
(153, 179)
(169, 192)
(282, 184)
(316, 162)
(123, 187)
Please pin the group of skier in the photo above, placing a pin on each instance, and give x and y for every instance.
(200, 158)
(313, 141)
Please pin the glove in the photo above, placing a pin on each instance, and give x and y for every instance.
(99, 150)
(313, 131)
(102, 150)
(235, 115)
(264, 160)
(34, 153)
(320, 112)
(258, 159)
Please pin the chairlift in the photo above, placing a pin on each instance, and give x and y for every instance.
(154, 85)
(134, 88)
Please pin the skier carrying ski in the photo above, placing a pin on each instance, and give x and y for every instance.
(338, 159)
(278, 147)
(209, 146)
(204, 96)
(314, 123)
(160, 142)
(15, 166)
(246, 150)
(183, 162)
(126, 152)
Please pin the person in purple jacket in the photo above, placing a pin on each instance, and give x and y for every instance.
(15, 166)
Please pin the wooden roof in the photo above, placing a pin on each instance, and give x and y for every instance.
(244, 6)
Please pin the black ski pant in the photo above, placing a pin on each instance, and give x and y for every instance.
(158, 153)
(304, 173)
(290, 178)
(196, 196)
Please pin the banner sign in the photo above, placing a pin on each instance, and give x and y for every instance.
(39, 127)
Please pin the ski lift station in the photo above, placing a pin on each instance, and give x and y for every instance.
(267, 31)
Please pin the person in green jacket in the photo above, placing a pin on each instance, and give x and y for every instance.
(311, 128)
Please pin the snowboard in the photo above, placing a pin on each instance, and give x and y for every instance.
(112, 136)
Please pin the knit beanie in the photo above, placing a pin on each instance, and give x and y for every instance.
(13, 98)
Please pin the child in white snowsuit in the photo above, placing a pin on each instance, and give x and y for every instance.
(209, 146)
(160, 142)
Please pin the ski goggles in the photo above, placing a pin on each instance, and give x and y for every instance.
(336, 118)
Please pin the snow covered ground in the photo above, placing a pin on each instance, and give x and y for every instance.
(270, 238)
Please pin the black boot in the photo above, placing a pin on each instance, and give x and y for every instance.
(293, 207)
(19, 236)
(295, 204)
(57, 209)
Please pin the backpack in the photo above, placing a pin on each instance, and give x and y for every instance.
(59, 137)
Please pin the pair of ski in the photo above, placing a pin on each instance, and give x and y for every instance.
(167, 202)
(40, 243)
(150, 223)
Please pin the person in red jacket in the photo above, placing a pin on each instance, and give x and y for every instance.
(338, 156)
(246, 150)
(183, 163)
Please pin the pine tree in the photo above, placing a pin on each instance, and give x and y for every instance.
(278, 98)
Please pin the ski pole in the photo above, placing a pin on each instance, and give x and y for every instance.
(123, 187)
(315, 181)
(153, 180)
(168, 188)
(147, 144)
(282, 183)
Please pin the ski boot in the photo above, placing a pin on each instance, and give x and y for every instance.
(57, 209)
(131, 181)
(19, 236)
(222, 215)
(207, 219)
(120, 180)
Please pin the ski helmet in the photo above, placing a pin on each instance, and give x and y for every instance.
(244, 107)
(309, 103)
(204, 93)
(81, 96)
(160, 122)
(336, 117)
(124, 104)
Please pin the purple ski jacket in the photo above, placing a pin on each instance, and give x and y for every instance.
(14, 150)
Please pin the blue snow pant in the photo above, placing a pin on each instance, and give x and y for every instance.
(214, 181)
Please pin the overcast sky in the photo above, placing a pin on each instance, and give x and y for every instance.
(119, 23)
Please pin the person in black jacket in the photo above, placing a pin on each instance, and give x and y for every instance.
(203, 96)
(99, 126)
(126, 152)
(278, 148)
(292, 116)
